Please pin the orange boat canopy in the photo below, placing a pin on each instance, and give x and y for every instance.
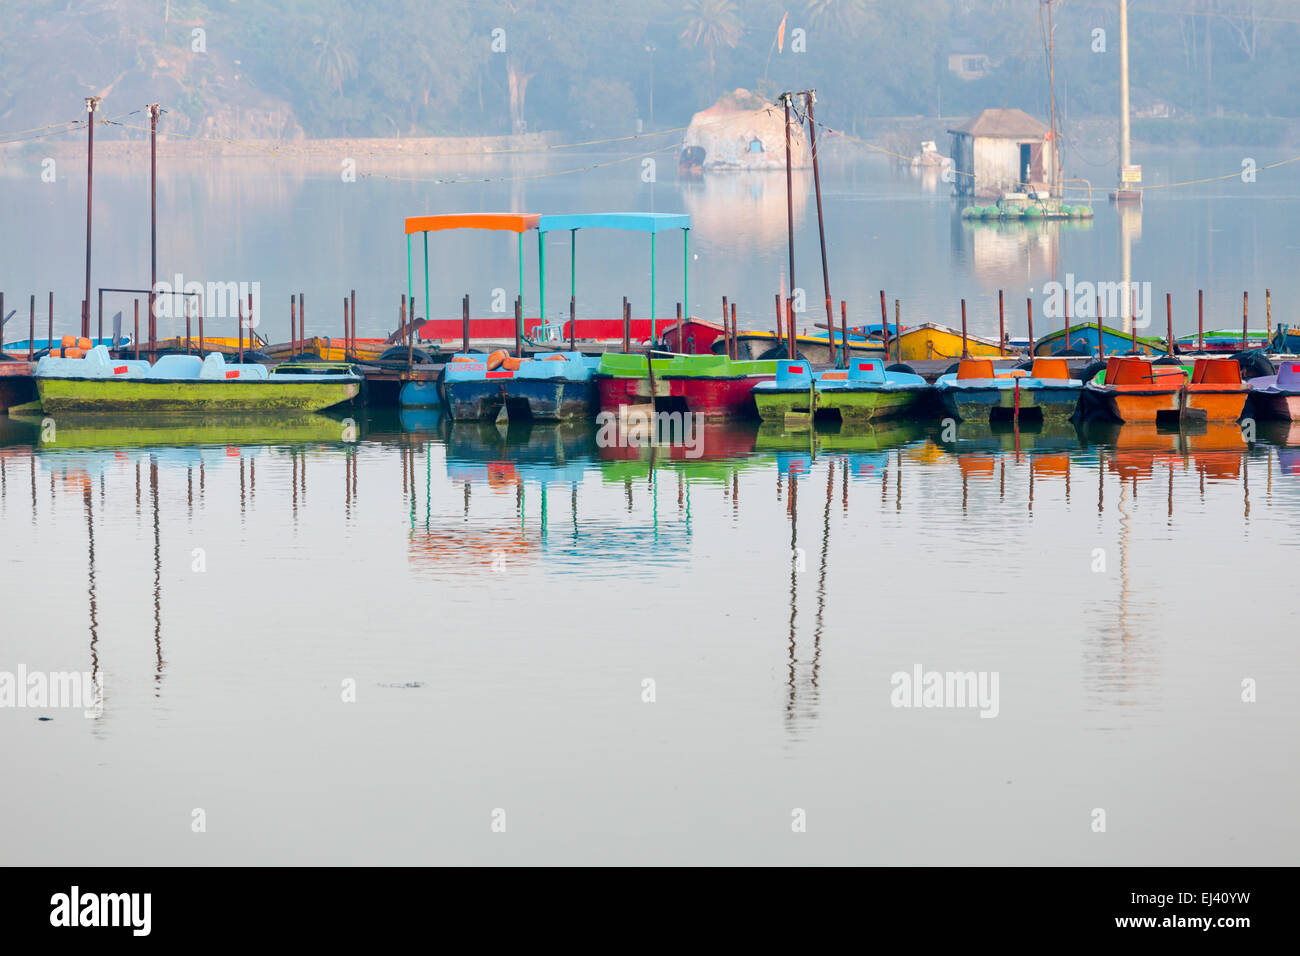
(500, 221)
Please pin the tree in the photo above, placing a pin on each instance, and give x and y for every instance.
(711, 24)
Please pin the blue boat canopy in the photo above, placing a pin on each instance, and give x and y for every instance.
(630, 221)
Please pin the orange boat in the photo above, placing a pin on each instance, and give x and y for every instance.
(1135, 390)
(1216, 390)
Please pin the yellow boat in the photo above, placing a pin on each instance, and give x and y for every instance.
(331, 349)
(931, 341)
(220, 343)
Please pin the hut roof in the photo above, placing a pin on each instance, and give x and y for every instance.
(1002, 124)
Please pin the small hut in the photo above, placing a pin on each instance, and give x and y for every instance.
(743, 131)
(1003, 151)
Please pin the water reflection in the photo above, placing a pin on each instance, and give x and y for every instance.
(549, 500)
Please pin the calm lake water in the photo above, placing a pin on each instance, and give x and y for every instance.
(370, 640)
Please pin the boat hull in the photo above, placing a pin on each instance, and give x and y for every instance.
(1084, 339)
(1127, 405)
(854, 405)
(142, 395)
(1278, 406)
(1215, 405)
(523, 398)
(714, 398)
(752, 346)
(1051, 403)
(17, 387)
(927, 343)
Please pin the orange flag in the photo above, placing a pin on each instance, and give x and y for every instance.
(780, 33)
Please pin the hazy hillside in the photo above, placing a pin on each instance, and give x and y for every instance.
(254, 68)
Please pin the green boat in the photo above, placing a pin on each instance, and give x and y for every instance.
(711, 385)
(865, 392)
(187, 383)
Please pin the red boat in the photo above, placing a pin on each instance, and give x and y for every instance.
(697, 335)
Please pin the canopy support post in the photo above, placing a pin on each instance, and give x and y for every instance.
(541, 277)
(427, 313)
(686, 273)
(521, 273)
(410, 287)
(652, 290)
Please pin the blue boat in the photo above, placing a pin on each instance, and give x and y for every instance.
(1081, 339)
(553, 387)
(978, 392)
(862, 393)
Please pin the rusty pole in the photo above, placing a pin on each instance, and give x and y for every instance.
(735, 346)
(464, 323)
(1029, 313)
(1245, 301)
(789, 323)
(153, 225)
(844, 330)
(1002, 326)
(1169, 319)
(726, 332)
(810, 97)
(200, 326)
(780, 323)
(1101, 335)
(135, 334)
(31, 330)
(884, 322)
(293, 326)
(1200, 320)
(92, 103)
(302, 321)
(965, 352)
(100, 335)
(627, 331)
(186, 301)
(352, 344)
(519, 326)
(50, 343)
(345, 328)
(680, 340)
(789, 190)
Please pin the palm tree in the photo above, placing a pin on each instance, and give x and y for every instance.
(844, 16)
(713, 23)
(334, 60)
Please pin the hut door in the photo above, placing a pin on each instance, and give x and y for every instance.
(1026, 162)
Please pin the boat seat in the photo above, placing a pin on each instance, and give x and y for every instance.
(1288, 374)
(793, 373)
(833, 376)
(975, 368)
(867, 370)
(1050, 368)
(182, 367)
(1216, 372)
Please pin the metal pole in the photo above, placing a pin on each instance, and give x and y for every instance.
(652, 290)
(31, 331)
(101, 314)
(844, 330)
(679, 327)
(1245, 301)
(427, 307)
(810, 97)
(200, 327)
(293, 326)
(884, 322)
(92, 103)
(627, 332)
(789, 324)
(186, 301)
(135, 334)
(519, 325)
(50, 343)
(965, 352)
(153, 223)
(686, 272)
(573, 323)
(541, 277)
(1169, 317)
(1002, 326)
(1029, 312)
(1200, 320)
(464, 323)
(789, 189)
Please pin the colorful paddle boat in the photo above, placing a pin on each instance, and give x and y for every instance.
(711, 385)
(1278, 396)
(819, 348)
(928, 341)
(1216, 391)
(1083, 339)
(1134, 389)
(864, 392)
(554, 387)
(1222, 340)
(979, 392)
(175, 383)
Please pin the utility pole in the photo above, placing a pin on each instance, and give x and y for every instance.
(92, 103)
(153, 219)
(789, 188)
(810, 97)
(1057, 186)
